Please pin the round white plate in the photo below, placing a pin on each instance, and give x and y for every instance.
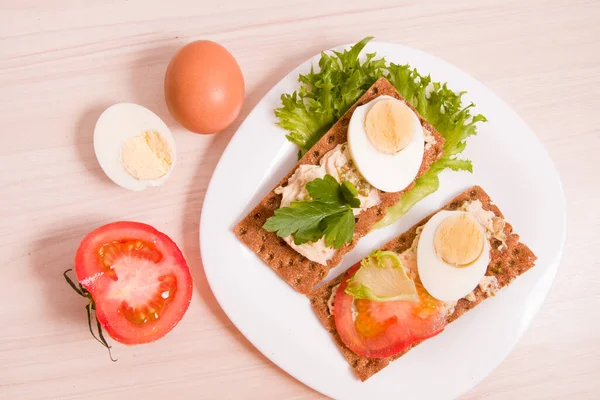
(509, 163)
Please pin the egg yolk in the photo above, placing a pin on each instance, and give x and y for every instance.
(147, 156)
(458, 240)
(389, 125)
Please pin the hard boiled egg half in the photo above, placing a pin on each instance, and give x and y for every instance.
(134, 147)
(387, 143)
(452, 255)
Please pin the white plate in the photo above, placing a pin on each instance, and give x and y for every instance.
(509, 163)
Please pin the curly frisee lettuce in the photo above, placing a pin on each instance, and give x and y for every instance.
(324, 96)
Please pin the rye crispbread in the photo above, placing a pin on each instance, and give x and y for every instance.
(301, 273)
(505, 265)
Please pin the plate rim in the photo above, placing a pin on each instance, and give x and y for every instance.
(549, 275)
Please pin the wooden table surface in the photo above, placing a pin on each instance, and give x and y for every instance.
(63, 62)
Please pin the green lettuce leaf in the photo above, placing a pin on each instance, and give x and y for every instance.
(325, 95)
(342, 78)
(381, 277)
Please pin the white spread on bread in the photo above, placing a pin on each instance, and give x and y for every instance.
(331, 301)
(494, 226)
(337, 163)
(332, 298)
(470, 297)
(489, 285)
(429, 138)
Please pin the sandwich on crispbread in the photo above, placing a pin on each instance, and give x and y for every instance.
(367, 319)
(291, 260)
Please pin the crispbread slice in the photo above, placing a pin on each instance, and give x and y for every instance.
(301, 273)
(505, 265)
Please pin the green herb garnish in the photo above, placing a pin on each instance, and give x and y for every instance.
(329, 214)
(326, 95)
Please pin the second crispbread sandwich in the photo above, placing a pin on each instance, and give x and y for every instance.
(298, 271)
(509, 258)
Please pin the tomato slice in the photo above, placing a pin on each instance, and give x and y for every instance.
(384, 329)
(138, 278)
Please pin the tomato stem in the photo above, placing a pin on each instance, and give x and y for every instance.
(90, 307)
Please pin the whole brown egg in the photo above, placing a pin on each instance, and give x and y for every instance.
(204, 87)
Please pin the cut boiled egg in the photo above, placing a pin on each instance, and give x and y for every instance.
(452, 255)
(387, 143)
(134, 147)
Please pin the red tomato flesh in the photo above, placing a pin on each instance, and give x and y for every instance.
(138, 278)
(385, 329)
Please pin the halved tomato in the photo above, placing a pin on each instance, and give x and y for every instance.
(384, 329)
(138, 278)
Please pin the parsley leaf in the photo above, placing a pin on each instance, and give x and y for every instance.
(339, 228)
(300, 216)
(309, 233)
(325, 189)
(328, 214)
(349, 193)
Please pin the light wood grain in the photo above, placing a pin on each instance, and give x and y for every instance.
(63, 62)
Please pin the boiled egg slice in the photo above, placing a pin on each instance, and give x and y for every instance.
(453, 254)
(134, 147)
(387, 143)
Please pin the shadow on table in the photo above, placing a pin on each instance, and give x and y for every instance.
(147, 80)
(85, 141)
(53, 253)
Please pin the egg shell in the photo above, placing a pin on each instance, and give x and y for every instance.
(119, 123)
(443, 281)
(386, 172)
(204, 87)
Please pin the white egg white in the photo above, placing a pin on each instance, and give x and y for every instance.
(115, 126)
(444, 281)
(386, 172)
